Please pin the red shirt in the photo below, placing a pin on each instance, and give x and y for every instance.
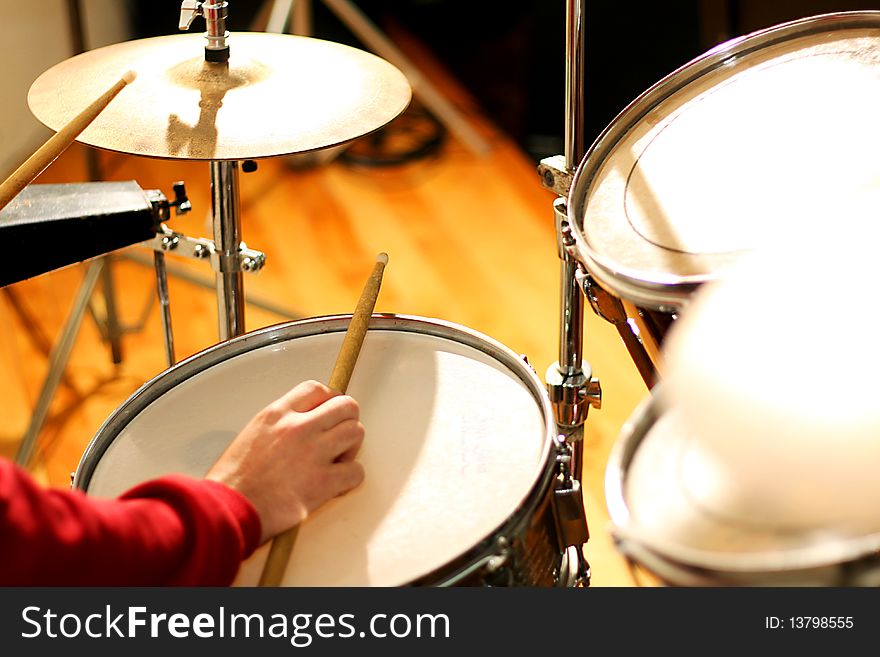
(173, 531)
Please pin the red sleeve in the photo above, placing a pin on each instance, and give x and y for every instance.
(173, 531)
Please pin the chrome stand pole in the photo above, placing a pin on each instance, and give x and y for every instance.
(569, 380)
(164, 305)
(227, 239)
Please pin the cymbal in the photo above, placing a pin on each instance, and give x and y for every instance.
(278, 95)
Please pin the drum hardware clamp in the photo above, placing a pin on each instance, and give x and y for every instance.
(611, 309)
(555, 176)
(201, 248)
(215, 15)
(197, 248)
(568, 500)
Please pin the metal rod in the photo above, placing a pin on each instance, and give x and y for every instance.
(111, 314)
(572, 308)
(569, 379)
(575, 69)
(164, 305)
(34, 331)
(215, 13)
(58, 361)
(227, 241)
(571, 319)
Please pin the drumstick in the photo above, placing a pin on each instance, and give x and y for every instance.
(282, 545)
(58, 143)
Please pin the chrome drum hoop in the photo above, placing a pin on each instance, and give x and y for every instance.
(526, 545)
(669, 292)
(851, 562)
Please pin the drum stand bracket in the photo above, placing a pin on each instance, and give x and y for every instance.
(568, 507)
(200, 248)
(555, 176)
(613, 311)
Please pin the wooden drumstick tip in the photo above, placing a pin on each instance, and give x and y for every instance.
(382, 258)
(57, 143)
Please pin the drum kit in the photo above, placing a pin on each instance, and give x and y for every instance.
(685, 225)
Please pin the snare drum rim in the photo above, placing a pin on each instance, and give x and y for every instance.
(692, 564)
(652, 289)
(165, 381)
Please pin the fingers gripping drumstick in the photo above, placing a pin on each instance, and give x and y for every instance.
(282, 545)
(58, 143)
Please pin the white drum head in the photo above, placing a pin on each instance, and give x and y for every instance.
(680, 503)
(764, 135)
(455, 442)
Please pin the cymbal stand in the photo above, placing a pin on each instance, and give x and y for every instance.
(227, 239)
(225, 204)
(570, 383)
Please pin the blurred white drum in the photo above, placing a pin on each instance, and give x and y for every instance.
(460, 451)
(763, 134)
(658, 478)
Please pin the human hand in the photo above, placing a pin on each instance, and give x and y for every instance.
(294, 455)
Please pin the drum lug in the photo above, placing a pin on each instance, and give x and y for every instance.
(497, 561)
(568, 501)
(492, 569)
(497, 570)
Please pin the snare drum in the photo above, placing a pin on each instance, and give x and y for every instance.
(460, 452)
(763, 134)
(657, 480)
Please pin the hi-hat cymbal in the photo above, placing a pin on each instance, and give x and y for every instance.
(278, 95)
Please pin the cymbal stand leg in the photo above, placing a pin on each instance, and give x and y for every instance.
(227, 239)
(111, 316)
(58, 361)
(302, 18)
(33, 330)
(374, 39)
(164, 305)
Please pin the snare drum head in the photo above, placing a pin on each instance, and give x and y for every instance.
(455, 441)
(763, 135)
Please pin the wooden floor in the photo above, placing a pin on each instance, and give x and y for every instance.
(471, 241)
